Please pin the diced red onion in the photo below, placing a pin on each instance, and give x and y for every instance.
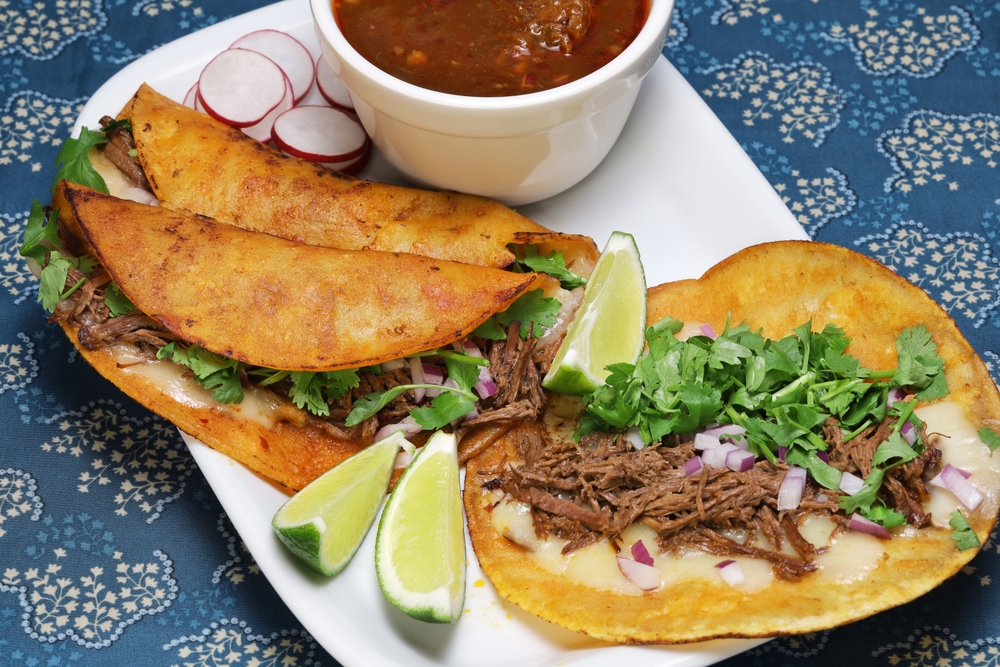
(725, 433)
(693, 466)
(417, 375)
(862, 525)
(731, 572)
(895, 394)
(469, 348)
(644, 576)
(792, 488)
(739, 460)
(471, 414)
(850, 484)
(823, 456)
(716, 456)
(410, 428)
(487, 388)
(433, 375)
(909, 433)
(634, 437)
(822, 497)
(707, 330)
(705, 441)
(951, 478)
(392, 365)
(641, 553)
(782, 451)
(403, 459)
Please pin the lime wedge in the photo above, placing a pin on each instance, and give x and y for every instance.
(324, 523)
(608, 328)
(420, 547)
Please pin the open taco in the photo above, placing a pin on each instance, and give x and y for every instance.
(287, 357)
(626, 536)
(193, 162)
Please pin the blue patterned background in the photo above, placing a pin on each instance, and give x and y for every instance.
(878, 123)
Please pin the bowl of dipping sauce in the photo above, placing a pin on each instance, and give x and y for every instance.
(516, 100)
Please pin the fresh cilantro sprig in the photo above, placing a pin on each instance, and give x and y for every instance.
(312, 390)
(212, 371)
(533, 310)
(74, 165)
(553, 264)
(117, 302)
(781, 391)
(41, 244)
(963, 535)
(451, 404)
(989, 438)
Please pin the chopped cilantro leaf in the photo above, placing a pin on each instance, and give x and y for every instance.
(211, 370)
(895, 447)
(533, 310)
(553, 264)
(919, 365)
(444, 409)
(884, 516)
(76, 167)
(989, 438)
(963, 535)
(117, 302)
(41, 234)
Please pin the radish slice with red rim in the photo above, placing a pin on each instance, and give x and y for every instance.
(359, 163)
(331, 87)
(240, 87)
(320, 134)
(191, 98)
(287, 53)
(262, 130)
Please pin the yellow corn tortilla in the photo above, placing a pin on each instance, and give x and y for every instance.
(776, 287)
(280, 304)
(196, 163)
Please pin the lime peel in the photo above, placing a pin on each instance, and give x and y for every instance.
(325, 523)
(608, 327)
(420, 555)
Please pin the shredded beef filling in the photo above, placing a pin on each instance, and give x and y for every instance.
(594, 489)
(514, 370)
(120, 150)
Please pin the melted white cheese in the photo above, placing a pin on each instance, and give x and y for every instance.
(258, 405)
(851, 556)
(113, 177)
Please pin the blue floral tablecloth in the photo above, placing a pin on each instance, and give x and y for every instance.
(877, 121)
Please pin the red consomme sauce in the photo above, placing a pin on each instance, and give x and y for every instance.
(489, 48)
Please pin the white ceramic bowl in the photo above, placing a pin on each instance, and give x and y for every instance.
(517, 149)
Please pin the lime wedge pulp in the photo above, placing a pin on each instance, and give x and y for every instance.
(420, 546)
(324, 523)
(608, 327)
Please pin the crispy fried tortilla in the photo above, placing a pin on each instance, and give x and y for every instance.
(776, 287)
(196, 163)
(280, 304)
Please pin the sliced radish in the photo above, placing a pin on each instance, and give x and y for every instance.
(287, 53)
(331, 87)
(320, 134)
(240, 87)
(262, 130)
(190, 100)
(359, 162)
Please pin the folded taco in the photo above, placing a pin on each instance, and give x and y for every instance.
(286, 356)
(191, 161)
(807, 440)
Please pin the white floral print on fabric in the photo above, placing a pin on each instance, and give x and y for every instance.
(232, 643)
(81, 588)
(17, 364)
(15, 277)
(731, 11)
(939, 647)
(41, 30)
(145, 455)
(678, 30)
(816, 200)
(800, 97)
(233, 569)
(807, 645)
(18, 497)
(918, 45)
(933, 146)
(157, 7)
(958, 270)
(30, 120)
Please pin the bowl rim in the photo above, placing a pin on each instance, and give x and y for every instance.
(634, 57)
